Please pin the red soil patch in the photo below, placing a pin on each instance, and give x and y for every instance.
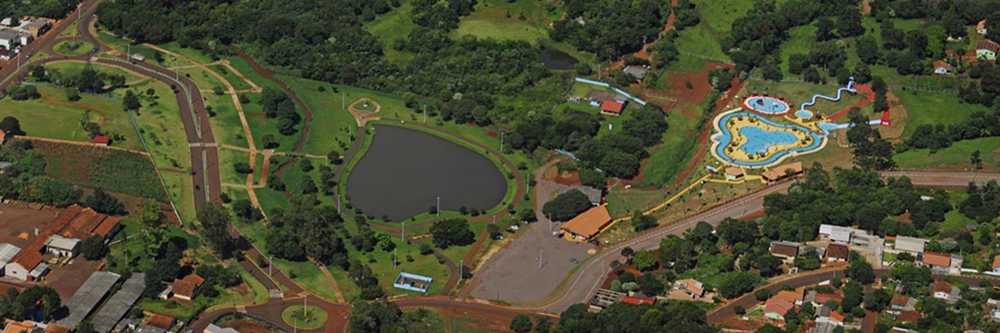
(700, 86)
(491, 134)
(569, 178)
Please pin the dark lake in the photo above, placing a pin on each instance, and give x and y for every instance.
(405, 170)
(555, 59)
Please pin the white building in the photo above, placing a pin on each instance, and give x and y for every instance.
(840, 234)
(7, 253)
(9, 39)
(62, 247)
(216, 329)
(912, 245)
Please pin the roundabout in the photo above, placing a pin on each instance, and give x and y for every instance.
(304, 318)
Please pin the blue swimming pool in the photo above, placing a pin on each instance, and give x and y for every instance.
(759, 140)
(764, 104)
(804, 114)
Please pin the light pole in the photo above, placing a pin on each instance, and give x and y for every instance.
(438, 212)
(270, 264)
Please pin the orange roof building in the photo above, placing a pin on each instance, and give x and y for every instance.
(612, 107)
(790, 296)
(161, 321)
(14, 326)
(996, 264)
(937, 259)
(780, 172)
(776, 308)
(588, 224)
(187, 288)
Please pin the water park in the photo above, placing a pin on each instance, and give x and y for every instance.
(765, 130)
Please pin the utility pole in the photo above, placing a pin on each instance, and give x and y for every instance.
(438, 212)
(425, 113)
(402, 232)
(394, 259)
(501, 142)
(338, 203)
(270, 263)
(461, 270)
(343, 100)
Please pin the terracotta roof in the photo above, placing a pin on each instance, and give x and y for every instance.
(102, 139)
(822, 298)
(780, 171)
(734, 171)
(838, 251)
(85, 223)
(636, 300)
(937, 259)
(777, 305)
(588, 223)
(187, 285)
(942, 287)
(161, 321)
(941, 64)
(18, 326)
(693, 286)
(107, 225)
(899, 300)
(836, 316)
(790, 296)
(981, 25)
(996, 261)
(612, 106)
(56, 328)
(908, 316)
(31, 255)
(785, 249)
(987, 44)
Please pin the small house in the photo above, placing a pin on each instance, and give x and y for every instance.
(981, 28)
(102, 140)
(938, 261)
(9, 39)
(60, 246)
(23, 266)
(612, 107)
(907, 316)
(780, 172)
(902, 302)
(837, 252)
(787, 250)
(941, 67)
(637, 72)
(412, 282)
(996, 264)
(946, 291)
(775, 308)
(161, 321)
(187, 289)
(986, 49)
(691, 287)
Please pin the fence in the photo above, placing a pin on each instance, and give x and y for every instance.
(615, 89)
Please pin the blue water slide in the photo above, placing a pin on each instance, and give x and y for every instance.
(840, 92)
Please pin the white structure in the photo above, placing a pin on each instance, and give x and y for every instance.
(840, 234)
(216, 329)
(912, 245)
(9, 39)
(7, 253)
(62, 247)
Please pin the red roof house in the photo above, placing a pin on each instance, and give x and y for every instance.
(102, 140)
(187, 288)
(612, 107)
(777, 307)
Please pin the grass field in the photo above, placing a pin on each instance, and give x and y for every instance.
(490, 20)
(717, 18)
(71, 48)
(394, 25)
(934, 108)
(336, 123)
(113, 170)
(958, 156)
(679, 143)
(800, 40)
(52, 116)
(304, 317)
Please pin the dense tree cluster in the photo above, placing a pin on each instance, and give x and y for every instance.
(441, 15)
(938, 136)
(452, 232)
(619, 154)
(983, 204)
(871, 152)
(46, 8)
(216, 221)
(277, 104)
(612, 29)
(307, 229)
(852, 197)
(566, 206)
(35, 302)
(23, 92)
(102, 202)
(218, 276)
(87, 80)
(26, 180)
(622, 317)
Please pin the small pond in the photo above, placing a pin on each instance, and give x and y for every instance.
(555, 59)
(404, 171)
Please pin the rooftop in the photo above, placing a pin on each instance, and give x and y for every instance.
(62, 243)
(780, 171)
(588, 223)
(937, 259)
(88, 296)
(611, 106)
(120, 303)
(187, 285)
(837, 251)
(777, 305)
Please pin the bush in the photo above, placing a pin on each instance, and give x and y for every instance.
(452, 232)
(762, 295)
(243, 168)
(93, 248)
(566, 206)
(426, 249)
(23, 92)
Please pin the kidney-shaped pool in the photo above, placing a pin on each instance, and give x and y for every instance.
(404, 171)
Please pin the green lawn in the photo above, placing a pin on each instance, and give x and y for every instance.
(490, 20)
(71, 48)
(392, 26)
(304, 317)
(336, 123)
(717, 18)
(52, 116)
(958, 156)
(934, 108)
(237, 82)
(954, 221)
(800, 40)
(679, 143)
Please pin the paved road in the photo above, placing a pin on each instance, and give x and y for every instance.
(585, 281)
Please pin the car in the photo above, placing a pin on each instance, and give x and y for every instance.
(573, 260)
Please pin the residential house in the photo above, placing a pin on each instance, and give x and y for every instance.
(986, 49)
(24, 265)
(13, 326)
(692, 287)
(823, 327)
(612, 107)
(981, 28)
(588, 224)
(794, 296)
(818, 299)
(161, 321)
(734, 173)
(947, 292)
(187, 289)
(787, 250)
(840, 234)
(837, 252)
(996, 264)
(937, 261)
(36, 27)
(911, 245)
(907, 316)
(902, 302)
(941, 67)
(101, 140)
(775, 308)
(60, 246)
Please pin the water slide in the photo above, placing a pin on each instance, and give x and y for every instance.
(840, 92)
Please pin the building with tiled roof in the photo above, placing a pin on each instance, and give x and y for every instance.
(939, 260)
(776, 308)
(837, 252)
(987, 49)
(187, 289)
(161, 321)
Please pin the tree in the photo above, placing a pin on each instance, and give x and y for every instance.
(768, 265)
(824, 29)
(244, 209)
(216, 222)
(11, 126)
(853, 296)
(154, 228)
(735, 284)
(268, 142)
(861, 271)
(677, 252)
(762, 295)
(23, 92)
(849, 23)
(642, 222)
(868, 49)
(644, 260)
(452, 232)
(308, 186)
(306, 165)
(521, 324)
(93, 248)
(131, 101)
(566, 206)
(243, 168)
(104, 203)
(877, 300)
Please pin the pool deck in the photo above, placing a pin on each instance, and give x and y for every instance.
(775, 154)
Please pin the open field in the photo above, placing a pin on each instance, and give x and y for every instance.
(392, 26)
(53, 117)
(934, 108)
(957, 157)
(71, 48)
(500, 19)
(334, 124)
(112, 170)
(717, 18)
